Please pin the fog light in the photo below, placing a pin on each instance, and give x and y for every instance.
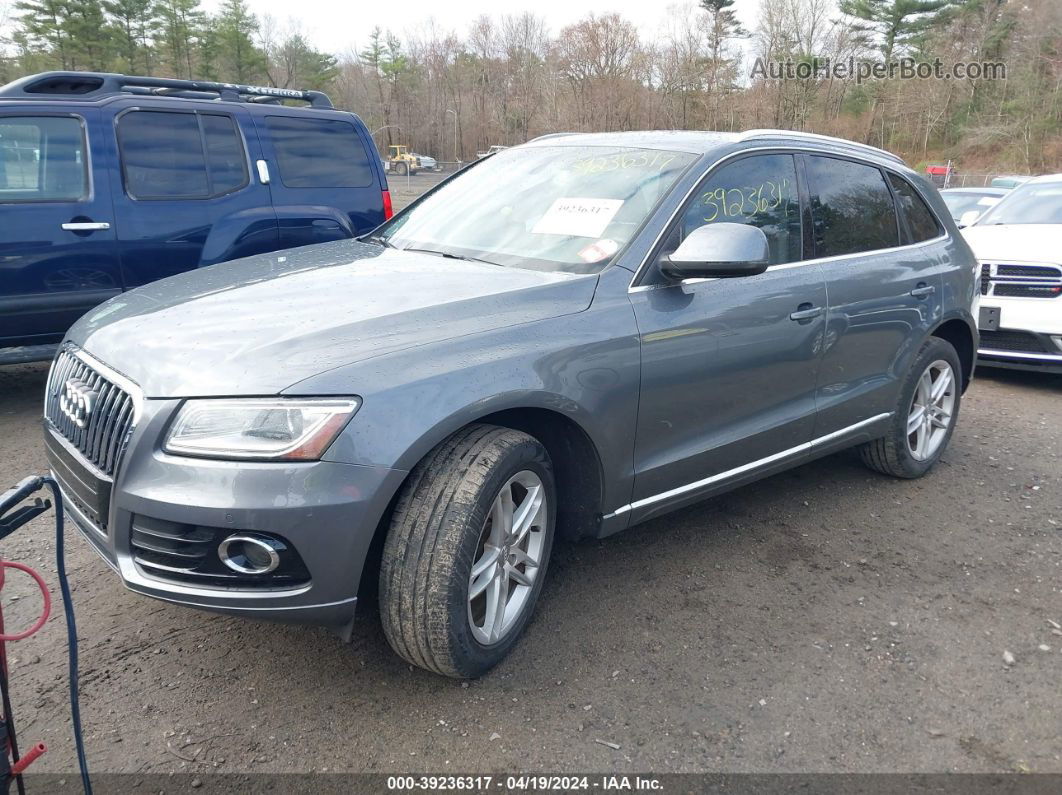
(250, 554)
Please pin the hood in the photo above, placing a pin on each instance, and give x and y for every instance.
(1019, 242)
(259, 325)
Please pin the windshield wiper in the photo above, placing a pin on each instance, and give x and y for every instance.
(450, 255)
(381, 240)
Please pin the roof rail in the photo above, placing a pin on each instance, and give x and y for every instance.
(761, 134)
(92, 85)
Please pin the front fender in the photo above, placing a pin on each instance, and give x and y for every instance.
(584, 366)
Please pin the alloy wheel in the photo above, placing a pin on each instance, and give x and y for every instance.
(508, 557)
(932, 410)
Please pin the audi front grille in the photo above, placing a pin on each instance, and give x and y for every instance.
(88, 410)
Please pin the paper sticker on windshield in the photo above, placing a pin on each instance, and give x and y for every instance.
(578, 217)
(988, 201)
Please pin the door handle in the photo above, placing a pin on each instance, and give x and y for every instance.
(922, 290)
(85, 226)
(806, 312)
(263, 171)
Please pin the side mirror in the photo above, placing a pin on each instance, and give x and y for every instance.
(968, 217)
(717, 251)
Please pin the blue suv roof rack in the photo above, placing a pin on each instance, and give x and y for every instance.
(94, 85)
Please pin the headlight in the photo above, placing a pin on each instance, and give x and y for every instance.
(276, 429)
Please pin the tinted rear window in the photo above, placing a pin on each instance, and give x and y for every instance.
(319, 153)
(225, 157)
(920, 220)
(852, 207)
(180, 155)
(162, 155)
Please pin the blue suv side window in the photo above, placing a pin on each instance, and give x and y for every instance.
(169, 155)
(299, 145)
(42, 159)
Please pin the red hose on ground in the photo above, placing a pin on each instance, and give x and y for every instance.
(7, 564)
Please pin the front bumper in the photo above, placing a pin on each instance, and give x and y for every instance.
(1029, 336)
(328, 511)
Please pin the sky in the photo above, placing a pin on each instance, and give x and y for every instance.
(342, 27)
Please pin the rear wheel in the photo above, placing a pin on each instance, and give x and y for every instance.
(467, 550)
(925, 415)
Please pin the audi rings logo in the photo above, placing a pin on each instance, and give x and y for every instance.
(77, 402)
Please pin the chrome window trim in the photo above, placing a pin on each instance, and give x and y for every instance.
(749, 467)
(781, 149)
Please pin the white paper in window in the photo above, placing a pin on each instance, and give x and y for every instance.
(578, 217)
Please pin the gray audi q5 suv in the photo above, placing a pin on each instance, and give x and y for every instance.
(568, 337)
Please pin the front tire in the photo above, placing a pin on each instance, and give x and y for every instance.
(467, 550)
(925, 415)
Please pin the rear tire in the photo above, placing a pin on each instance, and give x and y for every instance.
(450, 517)
(924, 417)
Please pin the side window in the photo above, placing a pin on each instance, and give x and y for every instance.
(920, 219)
(851, 207)
(226, 160)
(42, 159)
(319, 153)
(759, 191)
(169, 155)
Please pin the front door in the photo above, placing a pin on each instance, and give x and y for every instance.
(57, 249)
(729, 365)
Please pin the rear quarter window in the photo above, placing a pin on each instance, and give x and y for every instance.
(319, 153)
(921, 222)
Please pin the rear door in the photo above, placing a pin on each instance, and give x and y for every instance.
(57, 249)
(884, 286)
(185, 194)
(323, 175)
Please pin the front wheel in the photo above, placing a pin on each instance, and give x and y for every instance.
(467, 549)
(401, 169)
(925, 415)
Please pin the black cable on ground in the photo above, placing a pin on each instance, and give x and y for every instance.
(71, 632)
(10, 720)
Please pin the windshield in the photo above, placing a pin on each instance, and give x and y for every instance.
(557, 208)
(961, 203)
(1031, 203)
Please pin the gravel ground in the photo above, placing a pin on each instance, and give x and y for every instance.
(406, 189)
(826, 619)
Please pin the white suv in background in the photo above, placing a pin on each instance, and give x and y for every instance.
(1018, 243)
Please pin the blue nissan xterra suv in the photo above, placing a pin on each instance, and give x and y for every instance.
(108, 182)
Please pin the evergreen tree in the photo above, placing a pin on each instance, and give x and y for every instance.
(135, 24)
(180, 36)
(41, 31)
(236, 58)
(892, 26)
